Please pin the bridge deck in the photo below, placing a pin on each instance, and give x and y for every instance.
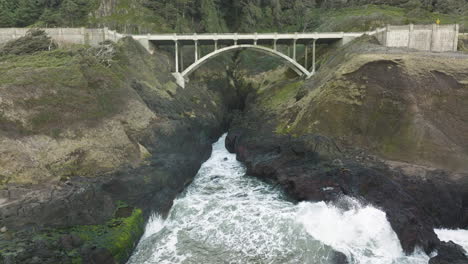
(261, 38)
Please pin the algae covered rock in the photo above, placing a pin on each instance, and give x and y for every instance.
(81, 132)
(407, 107)
(66, 115)
(385, 126)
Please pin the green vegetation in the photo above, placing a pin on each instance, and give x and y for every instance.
(22, 13)
(373, 16)
(142, 16)
(62, 86)
(282, 94)
(34, 41)
(119, 235)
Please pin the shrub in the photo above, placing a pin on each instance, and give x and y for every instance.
(35, 40)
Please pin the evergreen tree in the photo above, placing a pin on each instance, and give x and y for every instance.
(73, 11)
(252, 14)
(27, 12)
(211, 21)
(276, 12)
(7, 13)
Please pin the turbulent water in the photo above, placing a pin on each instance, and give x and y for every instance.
(225, 216)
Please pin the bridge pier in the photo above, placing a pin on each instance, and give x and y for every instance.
(180, 80)
(294, 49)
(313, 56)
(306, 55)
(196, 50)
(181, 57)
(176, 56)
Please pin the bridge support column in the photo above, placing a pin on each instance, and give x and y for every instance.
(306, 49)
(181, 58)
(313, 56)
(196, 50)
(176, 56)
(147, 44)
(216, 44)
(294, 49)
(275, 47)
(179, 79)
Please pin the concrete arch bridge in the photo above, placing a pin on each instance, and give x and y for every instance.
(268, 43)
(430, 38)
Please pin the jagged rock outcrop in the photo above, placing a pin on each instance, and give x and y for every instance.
(384, 126)
(82, 139)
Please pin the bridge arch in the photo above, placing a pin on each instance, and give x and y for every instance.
(298, 68)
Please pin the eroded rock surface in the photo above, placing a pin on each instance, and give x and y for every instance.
(80, 138)
(386, 127)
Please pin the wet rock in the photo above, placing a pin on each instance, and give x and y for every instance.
(70, 241)
(98, 256)
(42, 250)
(124, 212)
(449, 253)
(339, 258)
(319, 177)
(104, 161)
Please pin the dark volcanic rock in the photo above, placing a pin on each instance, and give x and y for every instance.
(339, 258)
(70, 241)
(99, 256)
(449, 253)
(170, 149)
(322, 174)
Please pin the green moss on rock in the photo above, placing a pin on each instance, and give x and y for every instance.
(119, 235)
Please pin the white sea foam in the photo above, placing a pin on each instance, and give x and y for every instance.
(227, 217)
(154, 225)
(362, 233)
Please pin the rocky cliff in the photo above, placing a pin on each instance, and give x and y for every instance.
(382, 125)
(93, 140)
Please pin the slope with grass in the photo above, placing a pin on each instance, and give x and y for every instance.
(84, 130)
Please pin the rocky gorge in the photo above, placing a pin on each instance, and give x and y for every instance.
(327, 137)
(97, 145)
(92, 145)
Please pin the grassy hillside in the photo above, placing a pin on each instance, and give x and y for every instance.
(400, 106)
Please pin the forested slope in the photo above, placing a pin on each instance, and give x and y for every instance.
(141, 16)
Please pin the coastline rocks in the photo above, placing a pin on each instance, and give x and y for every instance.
(341, 133)
(449, 253)
(312, 176)
(164, 135)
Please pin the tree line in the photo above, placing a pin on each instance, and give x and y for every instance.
(23, 13)
(204, 15)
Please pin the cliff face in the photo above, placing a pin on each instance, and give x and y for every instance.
(405, 107)
(67, 118)
(86, 135)
(383, 125)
